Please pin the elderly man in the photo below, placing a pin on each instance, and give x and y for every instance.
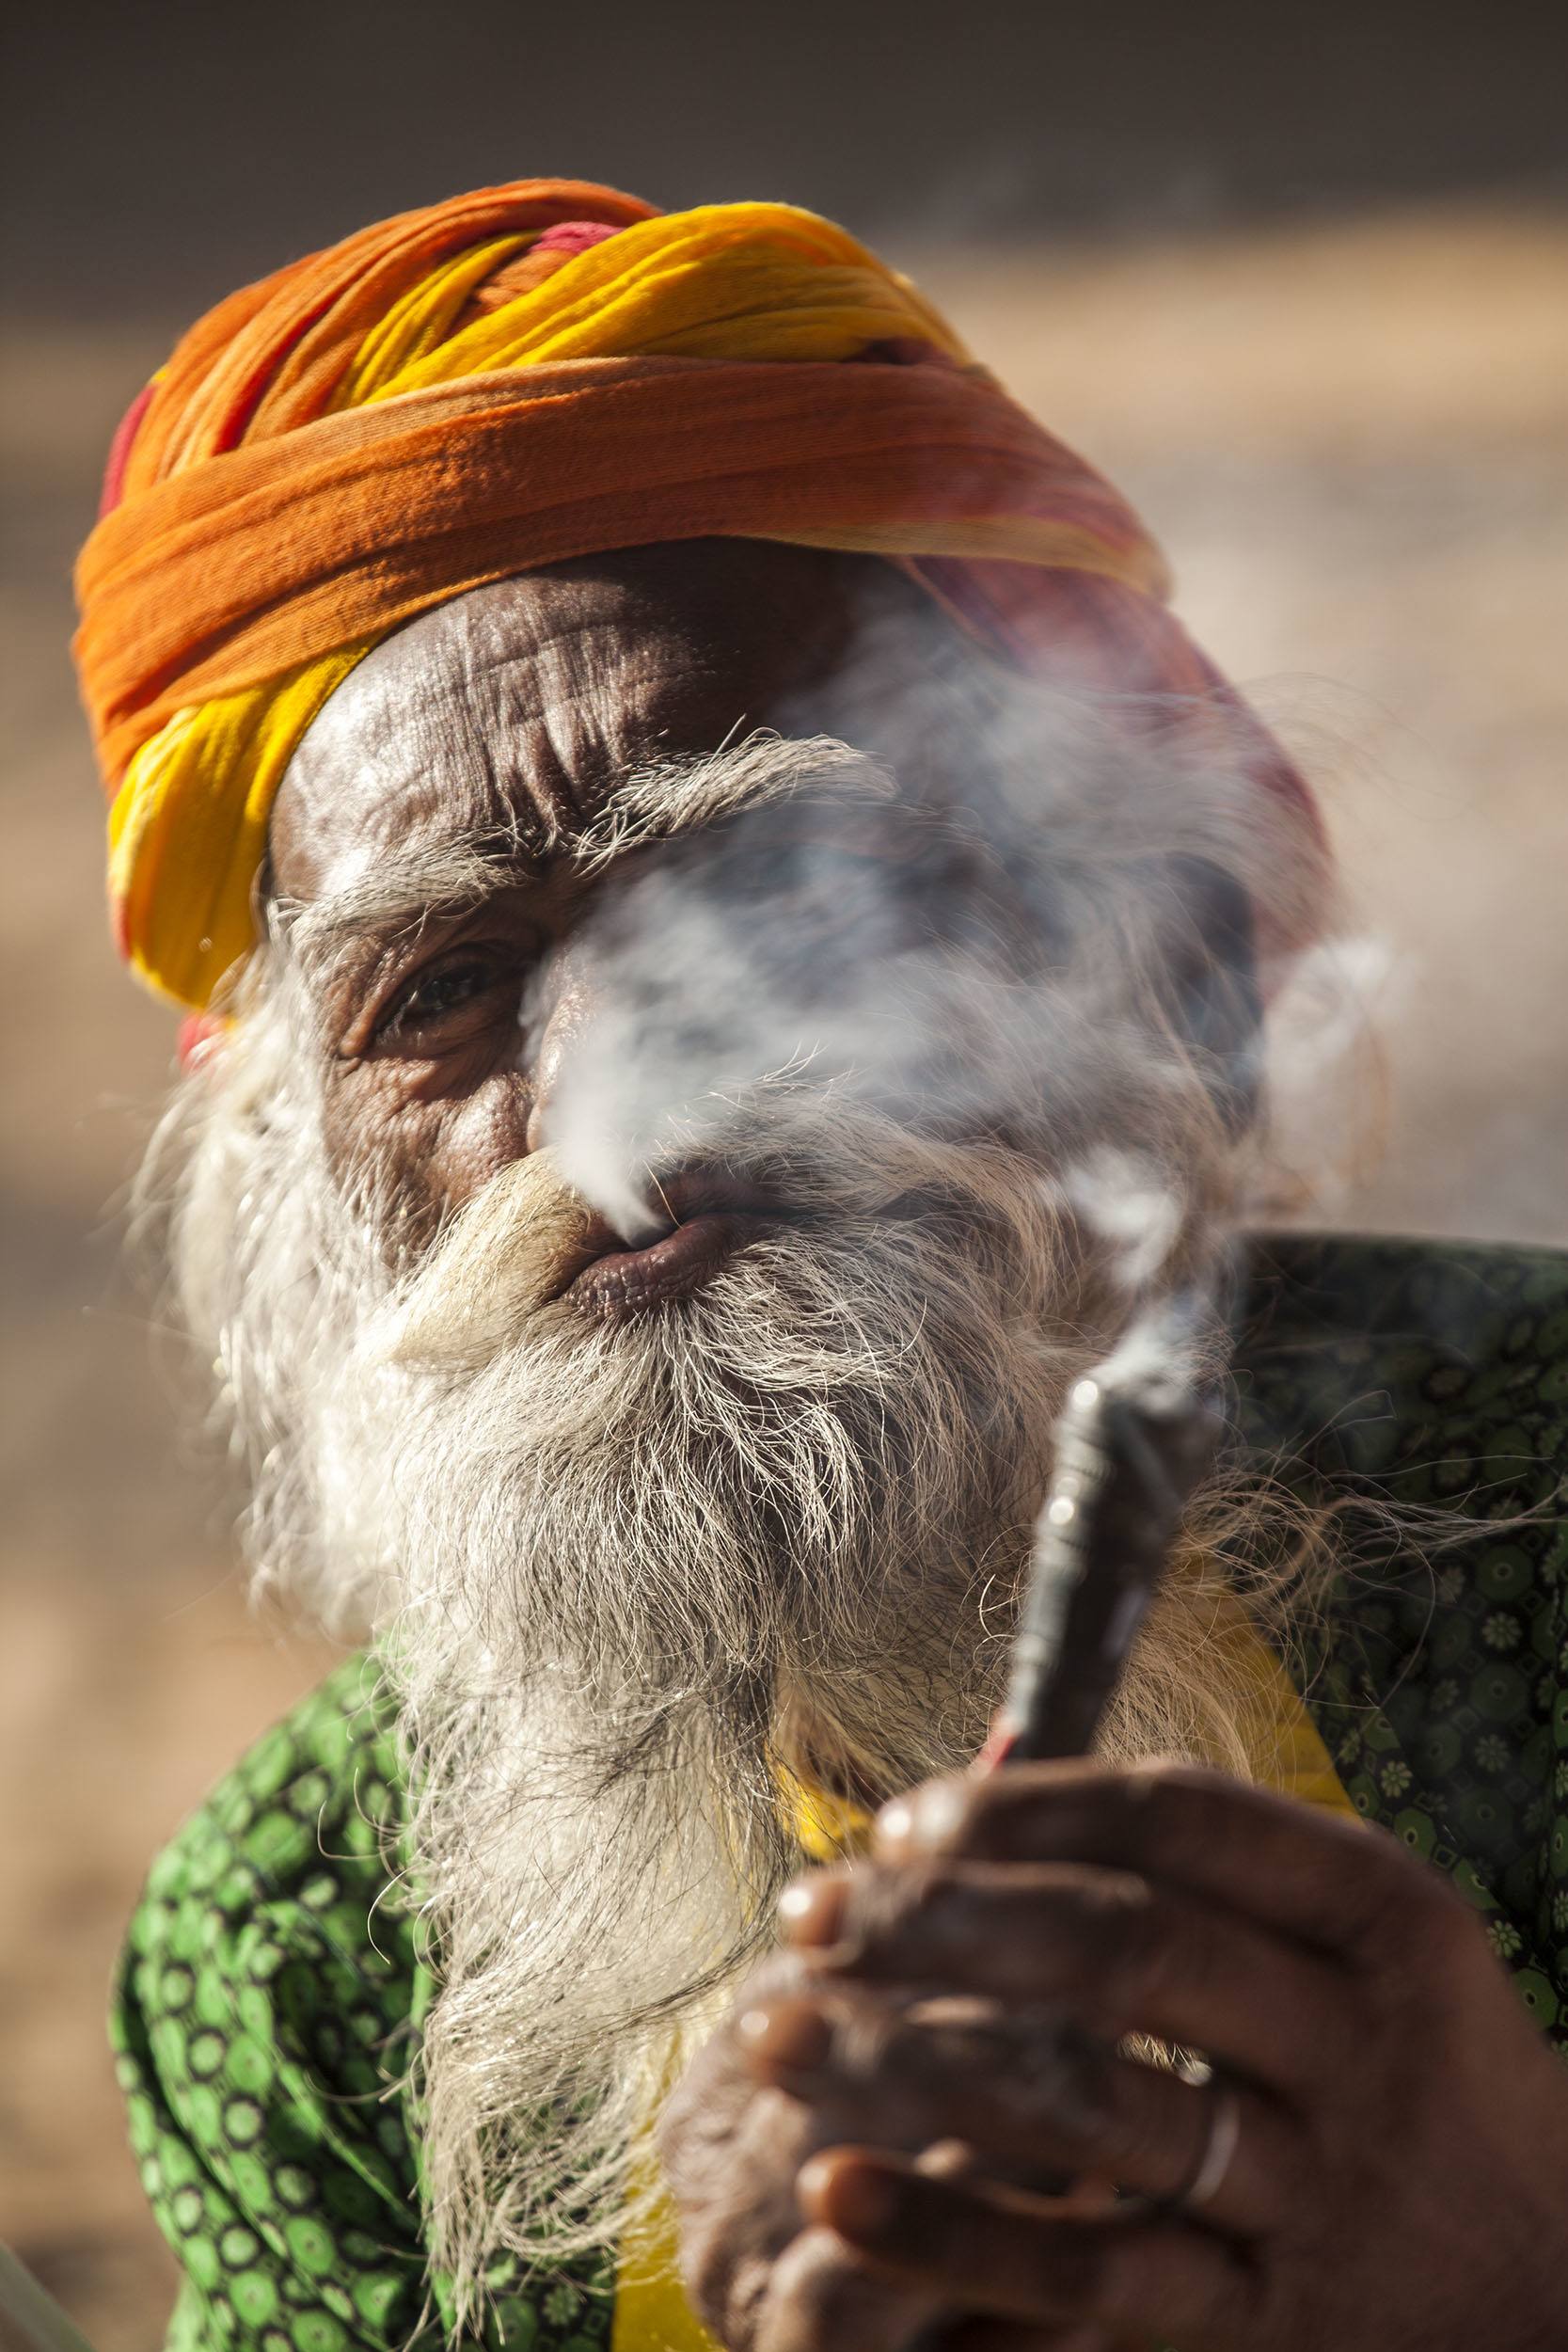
(725, 928)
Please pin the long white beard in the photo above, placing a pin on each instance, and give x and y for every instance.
(649, 1564)
(621, 1574)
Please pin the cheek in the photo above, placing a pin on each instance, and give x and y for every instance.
(431, 1154)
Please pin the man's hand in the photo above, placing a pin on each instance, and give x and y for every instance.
(733, 2151)
(1380, 2162)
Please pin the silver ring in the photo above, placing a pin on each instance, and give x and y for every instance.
(1225, 2130)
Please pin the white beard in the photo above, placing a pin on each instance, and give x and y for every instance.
(622, 1573)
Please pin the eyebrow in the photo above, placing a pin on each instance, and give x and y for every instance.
(670, 798)
(398, 893)
(403, 890)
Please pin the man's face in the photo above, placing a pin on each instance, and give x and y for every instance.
(763, 1466)
(508, 719)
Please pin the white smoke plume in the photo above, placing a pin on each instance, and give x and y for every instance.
(1033, 937)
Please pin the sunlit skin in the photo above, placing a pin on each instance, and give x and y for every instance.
(1401, 2172)
(521, 708)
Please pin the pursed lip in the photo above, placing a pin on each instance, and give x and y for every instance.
(713, 1215)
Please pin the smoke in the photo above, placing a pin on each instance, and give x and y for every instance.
(1056, 930)
(1329, 1100)
(1122, 1198)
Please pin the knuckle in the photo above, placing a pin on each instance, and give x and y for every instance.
(936, 2078)
(1039, 2074)
(1133, 1948)
(924, 1901)
(1002, 1813)
(682, 2137)
(702, 2113)
(869, 2040)
(779, 1971)
(1012, 2086)
(987, 1813)
(841, 2291)
(1086, 2086)
(936, 1908)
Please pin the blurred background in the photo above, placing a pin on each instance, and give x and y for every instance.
(1297, 279)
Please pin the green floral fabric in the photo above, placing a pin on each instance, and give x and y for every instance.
(271, 1986)
(1434, 1378)
(269, 1994)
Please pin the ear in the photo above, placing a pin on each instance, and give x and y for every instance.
(1215, 998)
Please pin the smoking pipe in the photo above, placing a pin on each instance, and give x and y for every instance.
(1130, 1444)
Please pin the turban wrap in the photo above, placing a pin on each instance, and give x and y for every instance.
(529, 373)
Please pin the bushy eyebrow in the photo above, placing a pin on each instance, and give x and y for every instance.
(397, 895)
(670, 798)
(401, 891)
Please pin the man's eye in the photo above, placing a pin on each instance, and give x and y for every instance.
(443, 990)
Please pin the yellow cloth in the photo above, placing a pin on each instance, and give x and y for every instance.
(652, 2313)
(1284, 1748)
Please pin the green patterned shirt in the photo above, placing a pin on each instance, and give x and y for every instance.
(271, 1988)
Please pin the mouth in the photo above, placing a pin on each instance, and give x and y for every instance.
(711, 1217)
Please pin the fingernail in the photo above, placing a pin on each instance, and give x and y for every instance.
(939, 1813)
(790, 2036)
(928, 1817)
(811, 1911)
(895, 1824)
(858, 2200)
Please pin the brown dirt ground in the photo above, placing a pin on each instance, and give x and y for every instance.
(1353, 442)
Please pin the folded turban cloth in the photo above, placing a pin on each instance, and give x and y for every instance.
(518, 376)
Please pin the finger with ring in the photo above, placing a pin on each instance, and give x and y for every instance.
(1028, 2091)
(983, 2249)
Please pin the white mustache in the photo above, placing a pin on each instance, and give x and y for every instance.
(502, 1258)
(502, 1261)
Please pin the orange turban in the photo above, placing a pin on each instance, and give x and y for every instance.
(510, 379)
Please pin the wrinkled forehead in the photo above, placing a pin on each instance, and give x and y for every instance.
(518, 707)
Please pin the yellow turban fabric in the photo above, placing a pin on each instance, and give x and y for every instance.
(510, 379)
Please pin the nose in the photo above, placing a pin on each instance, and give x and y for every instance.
(567, 1004)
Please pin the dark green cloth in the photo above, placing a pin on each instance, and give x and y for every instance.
(270, 1991)
(1434, 1378)
(270, 1983)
